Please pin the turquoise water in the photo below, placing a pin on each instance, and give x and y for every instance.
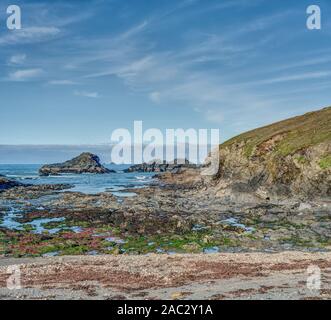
(86, 183)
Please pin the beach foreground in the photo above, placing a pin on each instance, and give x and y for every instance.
(212, 277)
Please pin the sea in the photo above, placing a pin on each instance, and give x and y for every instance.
(116, 183)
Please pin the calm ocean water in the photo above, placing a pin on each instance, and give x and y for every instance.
(86, 183)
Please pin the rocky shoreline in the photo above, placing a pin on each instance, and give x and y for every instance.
(169, 217)
(243, 208)
(174, 240)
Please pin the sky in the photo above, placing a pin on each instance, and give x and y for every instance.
(77, 70)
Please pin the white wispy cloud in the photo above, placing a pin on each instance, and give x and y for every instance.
(24, 75)
(155, 96)
(17, 59)
(56, 13)
(127, 70)
(29, 35)
(290, 78)
(87, 94)
(64, 82)
(298, 77)
(173, 76)
(134, 31)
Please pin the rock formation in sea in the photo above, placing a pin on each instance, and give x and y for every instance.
(161, 166)
(6, 183)
(84, 163)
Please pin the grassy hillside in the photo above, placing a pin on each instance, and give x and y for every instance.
(290, 157)
(289, 136)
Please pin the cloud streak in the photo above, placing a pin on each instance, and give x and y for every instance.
(62, 82)
(29, 35)
(25, 75)
(87, 94)
(17, 59)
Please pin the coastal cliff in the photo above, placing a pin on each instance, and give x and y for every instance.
(287, 158)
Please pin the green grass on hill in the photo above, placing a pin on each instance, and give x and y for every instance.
(297, 133)
(325, 162)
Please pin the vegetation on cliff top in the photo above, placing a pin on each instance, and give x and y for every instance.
(325, 162)
(287, 137)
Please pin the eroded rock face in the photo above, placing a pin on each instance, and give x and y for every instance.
(84, 163)
(291, 158)
(162, 166)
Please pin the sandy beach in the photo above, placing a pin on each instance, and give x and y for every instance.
(211, 277)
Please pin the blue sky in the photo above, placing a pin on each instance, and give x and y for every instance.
(79, 69)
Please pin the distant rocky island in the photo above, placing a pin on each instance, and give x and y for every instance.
(90, 163)
(84, 163)
(162, 166)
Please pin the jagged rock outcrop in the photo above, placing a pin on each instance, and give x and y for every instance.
(288, 159)
(6, 183)
(84, 163)
(161, 166)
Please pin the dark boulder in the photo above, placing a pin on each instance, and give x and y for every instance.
(6, 183)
